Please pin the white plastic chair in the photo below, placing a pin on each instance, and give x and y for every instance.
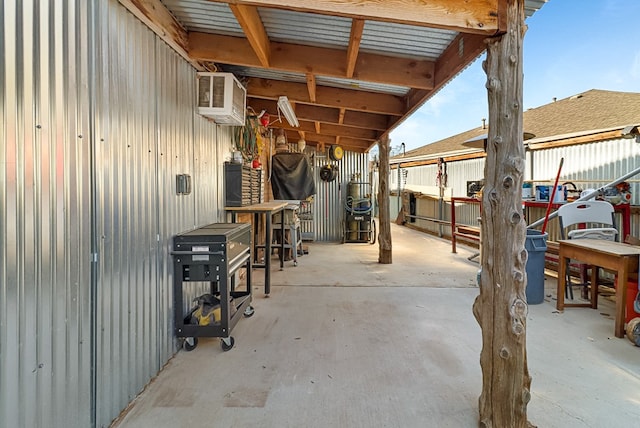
(596, 220)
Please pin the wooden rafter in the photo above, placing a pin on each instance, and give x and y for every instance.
(472, 16)
(315, 113)
(329, 97)
(334, 130)
(341, 116)
(464, 49)
(311, 87)
(357, 26)
(409, 72)
(158, 18)
(251, 24)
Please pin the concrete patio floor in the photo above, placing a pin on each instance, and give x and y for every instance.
(343, 341)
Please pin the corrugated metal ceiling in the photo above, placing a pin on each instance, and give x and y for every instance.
(205, 16)
(396, 66)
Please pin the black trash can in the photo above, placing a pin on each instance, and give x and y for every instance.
(536, 245)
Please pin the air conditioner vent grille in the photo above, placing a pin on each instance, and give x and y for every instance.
(222, 98)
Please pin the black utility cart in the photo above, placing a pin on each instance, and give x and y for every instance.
(212, 255)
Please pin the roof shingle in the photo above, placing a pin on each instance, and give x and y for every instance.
(589, 111)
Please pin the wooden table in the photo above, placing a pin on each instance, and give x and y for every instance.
(267, 209)
(616, 256)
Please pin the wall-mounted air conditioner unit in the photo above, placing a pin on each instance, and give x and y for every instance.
(222, 98)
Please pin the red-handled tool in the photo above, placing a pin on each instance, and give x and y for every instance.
(552, 197)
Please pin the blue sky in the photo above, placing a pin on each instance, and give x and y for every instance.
(570, 46)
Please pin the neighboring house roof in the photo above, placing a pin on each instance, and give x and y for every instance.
(593, 110)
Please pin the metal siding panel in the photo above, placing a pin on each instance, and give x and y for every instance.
(461, 172)
(591, 165)
(44, 240)
(206, 186)
(128, 301)
(328, 206)
(148, 132)
(458, 173)
(145, 131)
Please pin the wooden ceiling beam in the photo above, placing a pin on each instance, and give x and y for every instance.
(321, 141)
(309, 112)
(406, 72)
(360, 119)
(331, 129)
(357, 26)
(311, 87)
(341, 116)
(470, 16)
(249, 20)
(328, 97)
(352, 144)
(459, 54)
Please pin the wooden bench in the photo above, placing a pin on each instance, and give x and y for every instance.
(463, 231)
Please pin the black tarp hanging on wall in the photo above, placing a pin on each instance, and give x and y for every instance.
(291, 176)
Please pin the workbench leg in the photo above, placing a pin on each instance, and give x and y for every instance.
(621, 294)
(562, 277)
(594, 286)
(267, 255)
(281, 252)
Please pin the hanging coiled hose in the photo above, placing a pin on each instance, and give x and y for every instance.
(357, 205)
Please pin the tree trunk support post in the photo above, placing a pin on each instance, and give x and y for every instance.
(501, 307)
(384, 238)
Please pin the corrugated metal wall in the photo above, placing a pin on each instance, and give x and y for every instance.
(328, 205)
(127, 294)
(591, 165)
(587, 165)
(45, 222)
(148, 132)
(458, 173)
(97, 117)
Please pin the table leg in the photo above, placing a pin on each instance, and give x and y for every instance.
(594, 286)
(562, 277)
(281, 252)
(621, 294)
(256, 241)
(267, 255)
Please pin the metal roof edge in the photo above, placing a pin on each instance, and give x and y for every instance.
(432, 156)
(537, 140)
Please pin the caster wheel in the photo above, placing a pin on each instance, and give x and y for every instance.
(373, 232)
(190, 343)
(227, 343)
(249, 311)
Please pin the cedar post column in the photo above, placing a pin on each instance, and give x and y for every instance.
(501, 307)
(384, 237)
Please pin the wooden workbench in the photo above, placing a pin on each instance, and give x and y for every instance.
(619, 257)
(266, 209)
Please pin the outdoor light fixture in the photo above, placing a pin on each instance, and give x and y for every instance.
(630, 131)
(480, 142)
(285, 107)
